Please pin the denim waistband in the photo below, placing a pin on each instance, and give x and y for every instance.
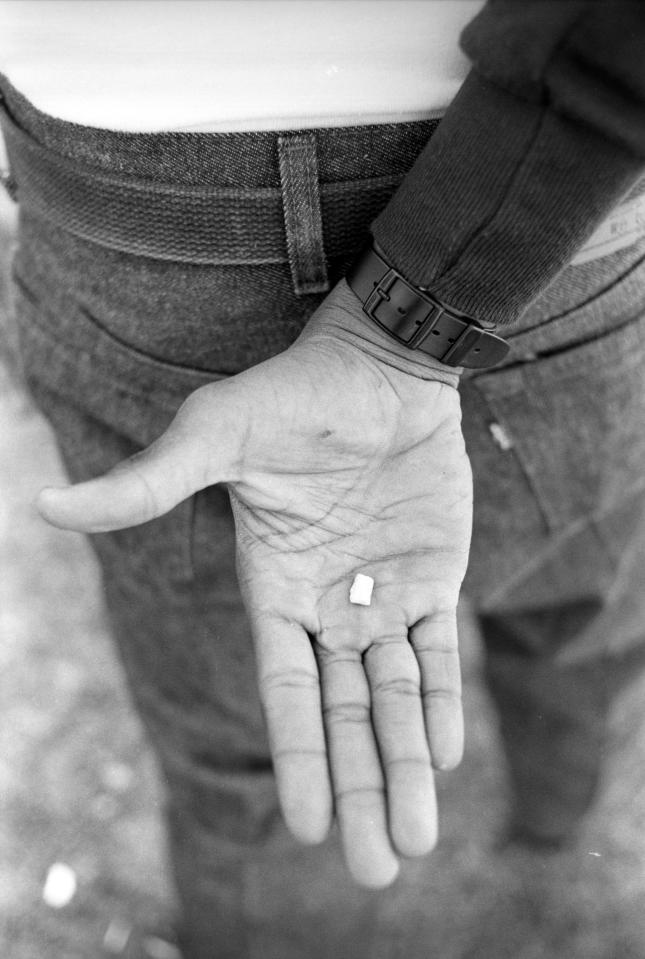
(213, 198)
(251, 198)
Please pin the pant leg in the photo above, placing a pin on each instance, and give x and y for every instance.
(149, 265)
(556, 570)
(555, 665)
(246, 888)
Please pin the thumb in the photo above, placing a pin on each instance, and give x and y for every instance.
(184, 459)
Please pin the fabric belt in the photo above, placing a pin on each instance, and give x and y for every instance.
(186, 223)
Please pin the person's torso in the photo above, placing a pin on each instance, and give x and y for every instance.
(235, 64)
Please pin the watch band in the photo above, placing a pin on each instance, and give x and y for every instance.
(419, 320)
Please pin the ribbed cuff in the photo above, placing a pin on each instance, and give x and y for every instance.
(500, 200)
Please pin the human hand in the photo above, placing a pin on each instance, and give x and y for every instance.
(337, 462)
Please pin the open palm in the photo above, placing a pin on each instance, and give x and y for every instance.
(337, 463)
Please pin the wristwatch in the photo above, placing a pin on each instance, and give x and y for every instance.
(418, 319)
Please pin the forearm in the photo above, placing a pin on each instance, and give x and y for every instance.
(544, 138)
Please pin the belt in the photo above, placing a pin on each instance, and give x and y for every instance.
(186, 223)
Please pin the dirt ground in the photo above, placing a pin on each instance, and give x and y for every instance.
(78, 783)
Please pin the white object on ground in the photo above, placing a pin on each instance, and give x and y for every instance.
(157, 948)
(117, 777)
(116, 937)
(60, 885)
(500, 436)
(361, 590)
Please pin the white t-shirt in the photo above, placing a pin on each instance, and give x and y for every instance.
(146, 65)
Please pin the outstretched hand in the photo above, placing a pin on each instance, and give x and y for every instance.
(337, 463)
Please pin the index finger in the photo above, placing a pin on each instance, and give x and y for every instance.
(289, 687)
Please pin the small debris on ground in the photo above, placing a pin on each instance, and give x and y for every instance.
(60, 885)
(157, 948)
(117, 777)
(500, 436)
(116, 936)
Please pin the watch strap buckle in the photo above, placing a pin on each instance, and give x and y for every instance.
(417, 319)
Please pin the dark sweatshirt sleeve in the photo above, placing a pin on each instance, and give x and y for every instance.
(545, 136)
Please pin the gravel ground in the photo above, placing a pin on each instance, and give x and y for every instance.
(78, 784)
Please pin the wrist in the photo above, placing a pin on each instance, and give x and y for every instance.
(342, 318)
(418, 320)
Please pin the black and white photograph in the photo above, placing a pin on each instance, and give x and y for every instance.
(322, 479)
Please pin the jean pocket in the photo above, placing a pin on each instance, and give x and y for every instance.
(68, 353)
(575, 421)
(106, 401)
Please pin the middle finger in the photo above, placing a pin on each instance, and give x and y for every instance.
(355, 767)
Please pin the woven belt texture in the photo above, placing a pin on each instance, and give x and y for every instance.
(180, 222)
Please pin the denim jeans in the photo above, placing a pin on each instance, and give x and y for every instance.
(118, 324)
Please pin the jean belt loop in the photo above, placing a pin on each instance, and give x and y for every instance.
(302, 215)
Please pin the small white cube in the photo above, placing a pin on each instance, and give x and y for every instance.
(361, 590)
